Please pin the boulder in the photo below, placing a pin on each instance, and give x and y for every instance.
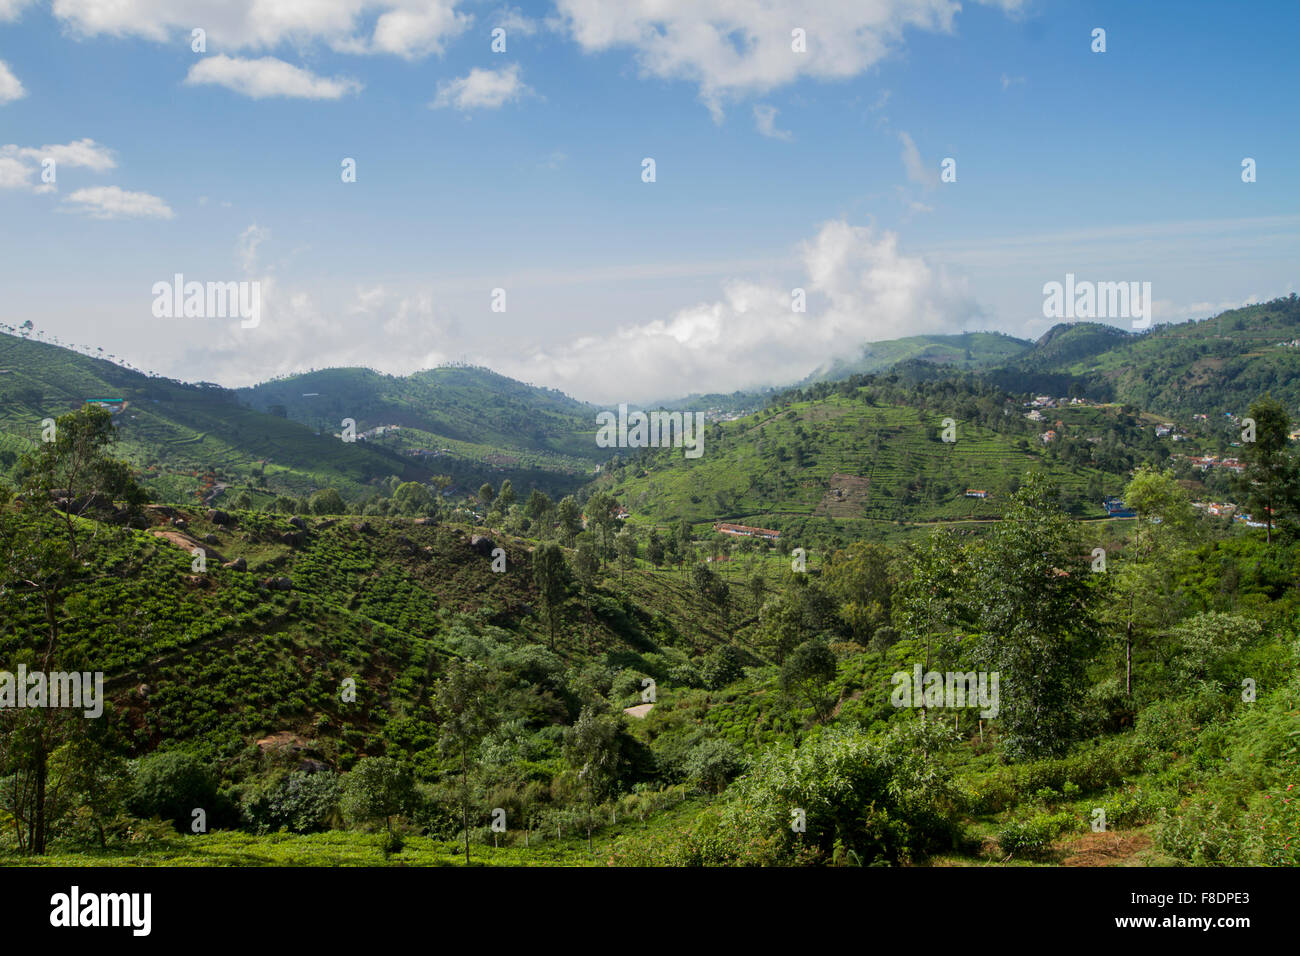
(239, 564)
(217, 516)
(482, 544)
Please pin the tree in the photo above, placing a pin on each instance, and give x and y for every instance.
(594, 745)
(327, 501)
(45, 547)
(712, 588)
(539, 506)
(930, 601)
(859, 579)
(1031, 595)
(625, 545)
(551, 576)
(486, 494)
(568, 517)
(1271, 483)
(172, 785)
(600, 516)
(654, 548)
(506, 496)
(585, 562)
(413, 498)
(464, 707)
(1143, 580)
(807, 671)
(377, 788)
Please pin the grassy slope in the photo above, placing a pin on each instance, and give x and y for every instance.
(884, 444)
(175, 432)
(967, 350)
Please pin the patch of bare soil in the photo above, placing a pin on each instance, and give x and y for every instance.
(845, 497)
(1106, 849)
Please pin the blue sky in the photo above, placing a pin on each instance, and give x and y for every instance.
(521, 170)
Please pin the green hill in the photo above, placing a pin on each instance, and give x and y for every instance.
(470, 423)
(966, 350)
(183, 439)
(864, 454)
(1212, 366)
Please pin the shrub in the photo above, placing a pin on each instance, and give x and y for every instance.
(713, 763)
(170, 786)
(1033, 838)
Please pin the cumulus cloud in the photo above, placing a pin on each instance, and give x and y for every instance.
(481, 89)
(733, 48)
(379, 327)
(860, 288)
(406, 28)
(20, 165)
(10, 9)
(765, 121)
(267, 77)
(10, 87)
(113, 202)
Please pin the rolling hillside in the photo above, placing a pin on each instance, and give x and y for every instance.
(864, 455)
(967, 350)
(182, 438)
(470, 423)
(1209, 367)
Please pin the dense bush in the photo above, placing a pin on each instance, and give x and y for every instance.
(171, 785)
(299, 802)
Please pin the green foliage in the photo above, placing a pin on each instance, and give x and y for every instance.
(377, 788)
(171, 785)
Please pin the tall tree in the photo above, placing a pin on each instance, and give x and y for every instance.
(551, 576)
(1270, 484)
(1032, 596)
(1143, 580)
(463, 705)
(47, 537)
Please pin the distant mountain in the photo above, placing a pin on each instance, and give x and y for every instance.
(470, 423)
(965, 350)
(284, 436)
(1211, 366)
(184, 439)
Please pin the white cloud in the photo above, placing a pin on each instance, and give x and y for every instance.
(10, 87)
(10, 9)
(112, 202)
(399, 332)
(734, 48)
(1010, 81)
(407, 28)
(860, 288)
(513, 21)
(14, 173)
(481, 89)
(267, 77)
(20, 165)
(765, 120)
(247, 243)
(917, 170)
(82, 152)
